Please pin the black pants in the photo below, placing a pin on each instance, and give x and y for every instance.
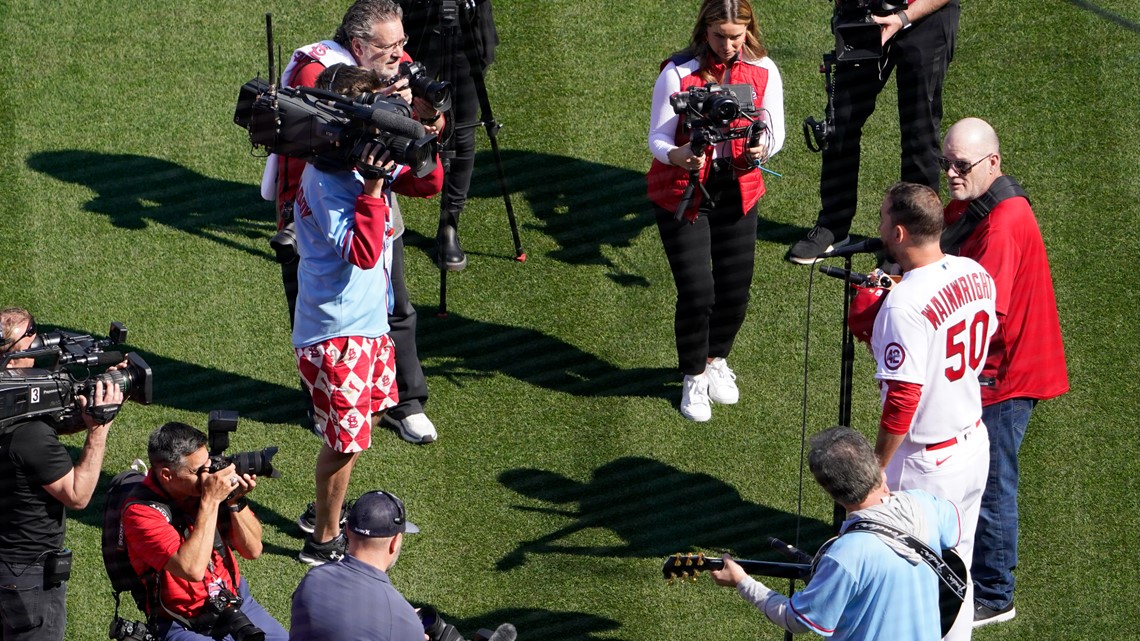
(919, 57)
(410, 381)
(711, 260)
(464, 111)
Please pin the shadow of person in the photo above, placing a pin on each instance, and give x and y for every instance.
(656, 510)
(535, 624)
(458, 347)
(133, 191)
(586, 207)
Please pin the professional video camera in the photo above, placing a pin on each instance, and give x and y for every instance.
(50, 392)
(437, 629)
(857, 36)
(218, 426)
(437, 93)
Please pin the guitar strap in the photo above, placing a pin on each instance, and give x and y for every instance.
(952, 591)
(1004, 187)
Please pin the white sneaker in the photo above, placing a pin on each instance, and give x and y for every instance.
(414, 428)
(722, 382)
(695, 398)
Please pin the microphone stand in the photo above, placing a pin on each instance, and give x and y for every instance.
(846, 373)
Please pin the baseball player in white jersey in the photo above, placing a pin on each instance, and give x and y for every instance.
(930, 341)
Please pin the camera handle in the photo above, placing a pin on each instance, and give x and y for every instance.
(817, 134)
(698, 143)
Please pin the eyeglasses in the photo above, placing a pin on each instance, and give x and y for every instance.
(961, 167)
(389, 49)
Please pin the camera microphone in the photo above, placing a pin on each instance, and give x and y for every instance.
(396, 124)
(869, 246)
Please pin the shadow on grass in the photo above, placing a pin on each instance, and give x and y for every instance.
(134, 190)
(459, 348)
(585, 206)
(657, 510)
(1114, 18)
(535, 624)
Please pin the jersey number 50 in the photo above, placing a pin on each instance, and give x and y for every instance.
(967, 348)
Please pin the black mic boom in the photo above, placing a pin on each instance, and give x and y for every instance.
(869, 246)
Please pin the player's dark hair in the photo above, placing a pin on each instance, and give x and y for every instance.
(362, 16)
(170, 444)
(844, 464)
(348, 81)
(917, 209)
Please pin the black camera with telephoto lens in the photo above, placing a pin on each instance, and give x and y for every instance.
(222, 616)
(124, 630)
(219, 425)
(436, 92)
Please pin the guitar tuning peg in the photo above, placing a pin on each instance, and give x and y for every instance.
(693, 578)
(677, 560)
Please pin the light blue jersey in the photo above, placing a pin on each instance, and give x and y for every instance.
(335, 298)
(864, 590)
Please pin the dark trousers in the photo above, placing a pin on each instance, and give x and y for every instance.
(919, 58)
(28, 610)
(410, 379)
(465, 111)
(711, 260)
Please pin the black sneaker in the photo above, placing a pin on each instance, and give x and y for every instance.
(984, 615)
(315, 554)
(308, 521)
(817, 241)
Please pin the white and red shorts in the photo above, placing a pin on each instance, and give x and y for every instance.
(350, 379)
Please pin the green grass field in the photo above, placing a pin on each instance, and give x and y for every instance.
(564, 473)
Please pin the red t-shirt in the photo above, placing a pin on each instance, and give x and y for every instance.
(1027, 356)
(151, 541)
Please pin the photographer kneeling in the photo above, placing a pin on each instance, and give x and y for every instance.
(37, 482)
(181, 529)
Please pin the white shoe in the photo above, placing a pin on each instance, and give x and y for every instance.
(695, 398)
(722, 382)
(414, 428)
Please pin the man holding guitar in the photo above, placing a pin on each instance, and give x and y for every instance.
(866, 584)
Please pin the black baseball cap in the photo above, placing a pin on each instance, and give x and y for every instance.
(379, 514)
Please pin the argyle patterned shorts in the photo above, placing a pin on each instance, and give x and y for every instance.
(350, 379)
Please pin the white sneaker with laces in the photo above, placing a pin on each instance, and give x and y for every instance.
(416, 428)
(695, 398)
(722, 382)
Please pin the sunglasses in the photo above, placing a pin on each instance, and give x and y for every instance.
(961, 167)
(31, 331)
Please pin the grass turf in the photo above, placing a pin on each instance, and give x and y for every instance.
(564, 474)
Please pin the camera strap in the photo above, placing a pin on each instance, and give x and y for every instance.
(1004, 188)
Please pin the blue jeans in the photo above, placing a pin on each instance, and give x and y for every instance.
(28, 610)
(175, 631)
(995, 544)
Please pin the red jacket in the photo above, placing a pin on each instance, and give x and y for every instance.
(667, 182)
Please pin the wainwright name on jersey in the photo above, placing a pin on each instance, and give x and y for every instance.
(934, 330)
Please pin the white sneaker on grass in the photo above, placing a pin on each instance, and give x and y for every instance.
(722, 382)
(695, 398)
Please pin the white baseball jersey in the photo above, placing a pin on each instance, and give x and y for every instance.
(934, 329)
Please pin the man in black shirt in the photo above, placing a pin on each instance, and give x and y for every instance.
(37, 481)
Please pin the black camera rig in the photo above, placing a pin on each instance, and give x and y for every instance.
(328, 129)
(858, 39)
(218, 427)
(709, 112)
(50, 392)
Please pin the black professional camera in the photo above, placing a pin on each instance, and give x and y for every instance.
(124, 630)
(50, 392)
(714, 104)
(437, 93)
(222, 616)
(328, 129)
(218, 426)
(857, 36)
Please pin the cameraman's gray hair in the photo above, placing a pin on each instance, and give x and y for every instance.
(362, 16)
(170, 444)
(10, 318)
(843, 462)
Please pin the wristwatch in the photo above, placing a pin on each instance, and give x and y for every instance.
(906, 23)
(239, 506)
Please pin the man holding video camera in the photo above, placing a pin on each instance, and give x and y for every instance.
(181, 531)
(865, 585)
(918, 40)
(354, 599)
(37, 483)
(370, 35)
